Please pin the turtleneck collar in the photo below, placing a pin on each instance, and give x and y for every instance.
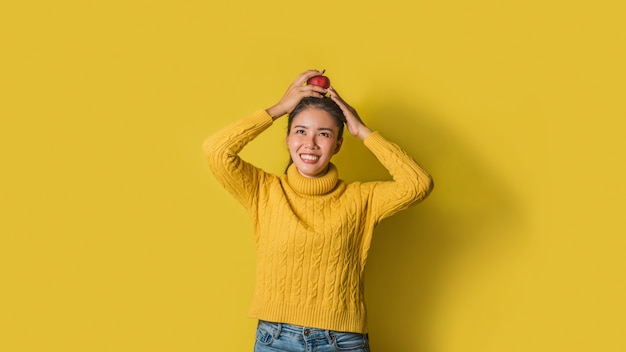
(312, 186)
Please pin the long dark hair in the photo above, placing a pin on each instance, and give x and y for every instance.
(325, 104)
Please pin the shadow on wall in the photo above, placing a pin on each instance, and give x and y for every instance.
(413, 250)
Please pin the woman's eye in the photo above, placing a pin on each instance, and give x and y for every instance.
(299, 131)
(325, 134)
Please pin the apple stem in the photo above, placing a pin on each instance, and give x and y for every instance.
(324, 70)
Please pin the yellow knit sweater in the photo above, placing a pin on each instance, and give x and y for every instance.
(312, 234)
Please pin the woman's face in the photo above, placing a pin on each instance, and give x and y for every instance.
(312, 141)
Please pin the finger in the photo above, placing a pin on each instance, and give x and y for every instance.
(304, 76)
(335, 96)
(348, 112)
(332, 91)
(337, 99)
(342, 103)
(313, 90)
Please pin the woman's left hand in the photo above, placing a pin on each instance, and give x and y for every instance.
(355, 125)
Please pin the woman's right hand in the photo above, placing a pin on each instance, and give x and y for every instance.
(296, 91)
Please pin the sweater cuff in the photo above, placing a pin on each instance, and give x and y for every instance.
(374, 139)
(262, 118)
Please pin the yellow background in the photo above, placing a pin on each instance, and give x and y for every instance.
(115, 237)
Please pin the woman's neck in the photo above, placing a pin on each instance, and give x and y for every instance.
(313, 185)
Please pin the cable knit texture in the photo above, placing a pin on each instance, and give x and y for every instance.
(312, 235)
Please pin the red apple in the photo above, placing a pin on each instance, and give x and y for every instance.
(321, 81)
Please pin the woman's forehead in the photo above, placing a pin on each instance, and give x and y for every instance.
(314, 117)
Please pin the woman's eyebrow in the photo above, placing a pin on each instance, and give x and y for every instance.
(319, 129)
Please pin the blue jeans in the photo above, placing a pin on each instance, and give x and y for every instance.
(276, 337)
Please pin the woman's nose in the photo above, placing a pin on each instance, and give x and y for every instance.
(310, 142)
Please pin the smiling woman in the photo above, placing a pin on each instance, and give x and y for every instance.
(312, 230)
(314, 135)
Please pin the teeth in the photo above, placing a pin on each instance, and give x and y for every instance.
(309, 157)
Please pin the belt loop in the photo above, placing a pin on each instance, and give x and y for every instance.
(329, 336)
(279, 328)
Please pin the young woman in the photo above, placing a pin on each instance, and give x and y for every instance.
(312, 230)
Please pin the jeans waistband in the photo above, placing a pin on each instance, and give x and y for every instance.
(305, 332)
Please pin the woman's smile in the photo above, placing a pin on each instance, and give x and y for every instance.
(309, 158)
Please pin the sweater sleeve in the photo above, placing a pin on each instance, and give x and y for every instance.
(237, 176)
(410, 184)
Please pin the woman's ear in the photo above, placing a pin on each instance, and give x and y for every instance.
(338, 147)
